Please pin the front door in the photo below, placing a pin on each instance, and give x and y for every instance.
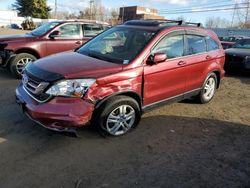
(167, 79)
(69, 38)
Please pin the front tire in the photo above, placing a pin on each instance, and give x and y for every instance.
(209, 88)
(19, 62)
(118, 115)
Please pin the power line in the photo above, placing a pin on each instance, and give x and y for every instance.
(208, 10)
(204, 8)
(194, 7)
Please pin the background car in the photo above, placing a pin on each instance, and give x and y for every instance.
(238, 57)
(50, 38)
(16, 26)
(228, 42)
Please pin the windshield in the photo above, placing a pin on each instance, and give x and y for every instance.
(244, 43)
(44, 28)
(117, 45)
(228, 39)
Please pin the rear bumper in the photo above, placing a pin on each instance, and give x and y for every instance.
(60, 113)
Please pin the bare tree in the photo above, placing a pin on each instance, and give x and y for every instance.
(217, 22)
(114, 17)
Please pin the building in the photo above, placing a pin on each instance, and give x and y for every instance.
(138, 12)
(230, 32)
(8, 17)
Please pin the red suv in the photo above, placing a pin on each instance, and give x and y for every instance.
(120, 73)
(53, 37)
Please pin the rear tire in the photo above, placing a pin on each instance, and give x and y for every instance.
(18, 63)
(209, 88)
(118, 115)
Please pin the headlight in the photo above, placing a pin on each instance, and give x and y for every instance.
(71, 88)
(247, 58)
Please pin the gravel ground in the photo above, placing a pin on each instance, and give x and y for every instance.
(179, 145)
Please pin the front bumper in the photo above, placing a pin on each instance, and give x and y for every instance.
(60, 113)
(237, 64)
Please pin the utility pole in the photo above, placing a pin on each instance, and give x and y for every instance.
(55, 16)
(90, 6)
(246, 17)
(235, 8)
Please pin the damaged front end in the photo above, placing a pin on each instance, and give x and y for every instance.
(5, 55)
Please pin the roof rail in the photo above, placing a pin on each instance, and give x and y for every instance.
(179, 22)
(192, 23)
(160, 22)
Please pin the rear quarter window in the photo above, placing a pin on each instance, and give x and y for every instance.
(211, 44)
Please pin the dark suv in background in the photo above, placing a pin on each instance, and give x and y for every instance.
(120, 73)
(50, 38)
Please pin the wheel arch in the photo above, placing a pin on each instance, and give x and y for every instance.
(28, 51)
(217, 73)
(131, 94)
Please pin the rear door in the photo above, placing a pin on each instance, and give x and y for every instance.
(70, 38)
(167, 79)
(197, 59)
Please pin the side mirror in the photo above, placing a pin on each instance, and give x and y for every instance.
(54, 34)
(157, 58)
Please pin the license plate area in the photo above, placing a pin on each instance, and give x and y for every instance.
(22, 104)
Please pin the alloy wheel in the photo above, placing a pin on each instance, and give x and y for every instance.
(120, 120)
(20, 65)
(209, 88)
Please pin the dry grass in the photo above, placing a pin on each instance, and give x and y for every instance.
(6, 31)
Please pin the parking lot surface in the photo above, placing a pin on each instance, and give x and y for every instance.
(180, 145)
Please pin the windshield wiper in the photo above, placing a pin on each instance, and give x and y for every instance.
(95, 56)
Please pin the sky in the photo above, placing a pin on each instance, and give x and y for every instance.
(161, 5)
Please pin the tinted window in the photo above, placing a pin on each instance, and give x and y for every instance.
(196, 44)
(70, 31)
(211, 44)
(91, 30)
(173, 46)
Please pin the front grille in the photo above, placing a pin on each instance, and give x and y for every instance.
(35, 88)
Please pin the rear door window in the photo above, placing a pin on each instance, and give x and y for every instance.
(196, 44)
(91, 30)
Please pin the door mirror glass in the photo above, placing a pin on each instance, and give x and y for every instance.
(54, 34)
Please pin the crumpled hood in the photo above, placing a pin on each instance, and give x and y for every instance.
(238, 52)
(75, 65)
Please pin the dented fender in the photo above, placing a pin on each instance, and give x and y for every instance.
(120, 83)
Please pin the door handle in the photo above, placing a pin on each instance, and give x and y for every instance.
(182, 63)
(208, 57)
(78, 42)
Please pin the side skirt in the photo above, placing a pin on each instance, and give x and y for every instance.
(177, 98)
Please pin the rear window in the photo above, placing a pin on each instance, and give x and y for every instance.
(196, 44)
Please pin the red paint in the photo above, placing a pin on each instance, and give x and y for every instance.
(152, 82)
(42, 46)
